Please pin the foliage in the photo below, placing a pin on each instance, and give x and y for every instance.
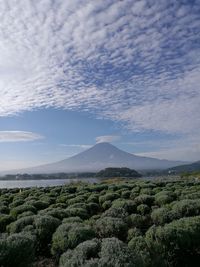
(178, 241)
(159, 223)
(18, 225)
(128, 205)
(45, 227)
(72, 220)
(133, 232)
(111, 227)
(115, 213)
(80, 212)
(69, 235)
(108, 252)
(5, 219)
(107, 197)
(118, 172)
(58, 213)
(82, 254)
(20, 209)
(144, 199)
(160, 216)
(143, 209)
(17, 250)
(163, 198)
(139, 246)
(186, 207)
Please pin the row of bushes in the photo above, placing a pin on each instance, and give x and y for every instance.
(138, 223)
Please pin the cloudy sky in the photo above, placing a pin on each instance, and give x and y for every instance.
(76, 72)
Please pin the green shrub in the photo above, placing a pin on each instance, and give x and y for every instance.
(16, 203)
(93, 208)
(5, 219)
(80, 212)
(185, 208)
(77, 199)
(80, 233)
(29, 229)
(108, 196)
(45, 227)
(111, 227)
(136, 220)
(143, 209)
(78, 205)
(62, 199)
(20, 209)
(161, 216)
(133, 195)
(48, 199)
(58, 205)
(115, 212)
(128, 205)
(106, 205)
(125, 194)
(110, 252)
(40, 205)
(193, 195)
(25, 214)
(135, 189)
(144, 199)
(17, 250)
(146, 191)
(178, 242)
(93, 220)
(139, 247)
(98, 187)
(4, 209)
(163, 198)
(18, 225)
(55, 212)
(84, 254)
(133, 232)
(69, 235)
(116, 253)
(93, 198)
(72, 220)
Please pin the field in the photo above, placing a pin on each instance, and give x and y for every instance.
(111, 224)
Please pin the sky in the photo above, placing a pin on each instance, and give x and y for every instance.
(74, 73)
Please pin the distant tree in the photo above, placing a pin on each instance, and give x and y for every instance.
(118, 172)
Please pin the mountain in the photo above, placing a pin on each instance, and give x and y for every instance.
(98, 157)
(186, 167)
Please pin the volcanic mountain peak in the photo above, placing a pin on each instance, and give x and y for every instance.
(98, 157)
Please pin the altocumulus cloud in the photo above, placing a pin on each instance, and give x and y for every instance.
(107, 138)
(135, 62)
(18, 136)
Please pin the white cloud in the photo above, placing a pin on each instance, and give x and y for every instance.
(183, 154)
(81, 146)
(107, 138)
(186, 148)
(134, 62)
(18, 136)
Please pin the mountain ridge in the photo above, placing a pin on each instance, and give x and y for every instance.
(195, 166)
(98, 157)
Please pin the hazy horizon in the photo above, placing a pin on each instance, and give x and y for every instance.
(76, 73)
(96, 158)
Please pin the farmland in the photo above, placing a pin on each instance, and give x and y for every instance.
(120, 223)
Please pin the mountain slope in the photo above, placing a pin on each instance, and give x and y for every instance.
(101, 156)
(187, 167)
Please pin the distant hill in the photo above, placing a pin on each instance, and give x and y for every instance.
(118, 172)
(98, 157)
(193, 167)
